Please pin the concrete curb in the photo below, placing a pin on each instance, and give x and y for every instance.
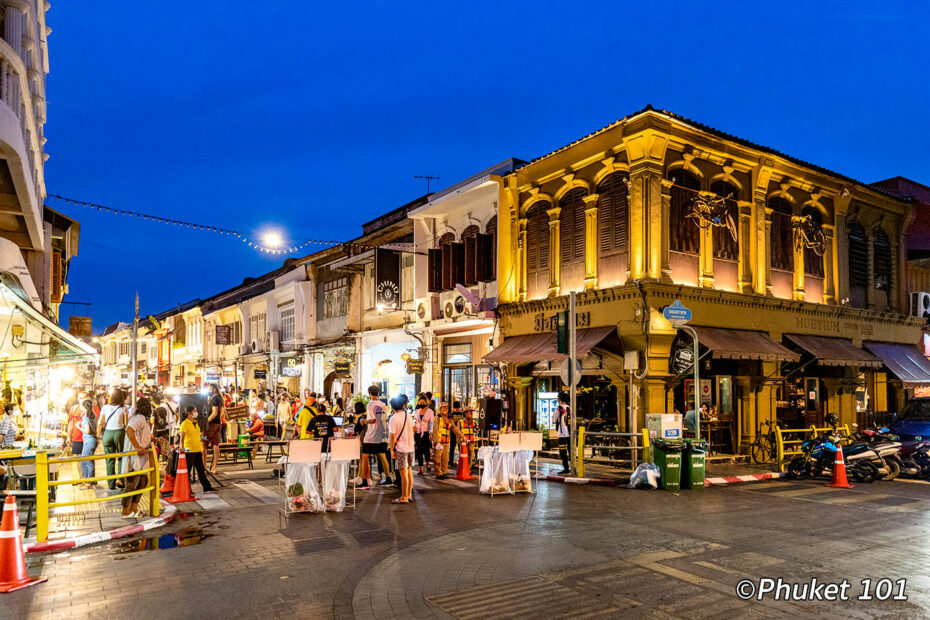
(607, 482)
(772, 475)
(166, 517)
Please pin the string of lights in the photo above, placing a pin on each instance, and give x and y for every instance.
(244, 237)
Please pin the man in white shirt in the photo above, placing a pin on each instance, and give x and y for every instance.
(402, 446)
(563, 424)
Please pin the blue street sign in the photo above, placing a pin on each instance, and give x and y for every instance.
(677, 313)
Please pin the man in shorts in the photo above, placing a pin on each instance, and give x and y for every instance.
(214, 423)
(375, 441)
(401, 426)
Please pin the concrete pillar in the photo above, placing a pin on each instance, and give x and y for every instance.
(666, 275)
(745, 413)
(522, 401)
(767, 232)
(879, 391)
(841, 252)
(591, 245)
(647, 224)
(13, 28)
(520, 259)
(706, 258)
(555, 252)
(744, 227)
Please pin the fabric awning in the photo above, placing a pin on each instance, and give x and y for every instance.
(904, 361)
(73, 343)
(542, 347)
(835, 351)
(742, 344)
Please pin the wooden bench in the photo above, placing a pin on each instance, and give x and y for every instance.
(280, 445)
(227, 449)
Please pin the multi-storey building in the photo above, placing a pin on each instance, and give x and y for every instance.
(794, 275)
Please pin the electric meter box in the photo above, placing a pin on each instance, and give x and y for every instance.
(664, 425)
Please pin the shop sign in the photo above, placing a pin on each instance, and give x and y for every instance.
(682, 357)
(415, 367)
(213, 377)
(387, 278)
(260, 374)
(223, 334)
(238, 412)
(290, 371)
(676, 314)
(342, 368)
(543, 323)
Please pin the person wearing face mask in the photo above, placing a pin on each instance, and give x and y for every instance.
(424, 426)
(193, 447)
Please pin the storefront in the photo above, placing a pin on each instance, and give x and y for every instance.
(462, 374)
(381, 361)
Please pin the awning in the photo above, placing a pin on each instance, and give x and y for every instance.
(73, 343)
(835, 351)
(904, 361)
(542, 347)
(741, 344)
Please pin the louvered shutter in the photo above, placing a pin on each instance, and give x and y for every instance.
(542, 222)
(470, 277)
(571, 226)
(578, 242)
(566, 217)
(484, 257)
(858, 255)
(881, 260)
(491, 232)
(605, 224)
(447, 282)
(458, 264)
(612, 215)
(435, 270)
(532, 244)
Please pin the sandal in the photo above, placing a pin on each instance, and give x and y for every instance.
(399, 501)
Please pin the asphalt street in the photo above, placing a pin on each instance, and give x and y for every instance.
(567, 551)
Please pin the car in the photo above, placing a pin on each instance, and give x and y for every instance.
(914, 422)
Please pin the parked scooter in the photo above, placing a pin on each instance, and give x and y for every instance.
(818, 456)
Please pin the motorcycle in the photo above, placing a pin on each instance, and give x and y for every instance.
(880, 450)
(915, 459)
(817, 458)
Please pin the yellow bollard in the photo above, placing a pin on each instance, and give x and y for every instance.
(41, 496)
(154, 504)
(580, 453)
(647, 453)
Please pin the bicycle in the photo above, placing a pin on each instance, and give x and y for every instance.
(764, 447)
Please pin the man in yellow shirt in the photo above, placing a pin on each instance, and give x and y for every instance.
(304, 415)
(193, 447)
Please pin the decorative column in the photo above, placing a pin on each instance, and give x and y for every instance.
(829, 274)
(762, 242)
(590, 241)
(555, 252)
(646, 222)
(519, 264)
(13, 26)
(666, 269)
(638, 239)
(798, 247)
(706, 258)
(744, 274)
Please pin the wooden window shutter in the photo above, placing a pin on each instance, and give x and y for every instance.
(458, 263)
(605, 225)
(435, 270)
(578, 242)
(491, 231)
(612, 214)
(447, 282)
(471, 253)
(571, 225)
(724, 245)
(57, 275)
(782, 234)
(858, 255)
(683, 232)
(484, 262)
(881, 260)
(542, 222)
(566, 224)
(531, 251)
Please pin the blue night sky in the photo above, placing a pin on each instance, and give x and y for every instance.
(275, 113)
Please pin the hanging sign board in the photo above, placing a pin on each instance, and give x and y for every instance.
(682, 357)
(677, 314)
(290, 371)
(239, 412)
(387, 279)
(342, 368)
(414, 367)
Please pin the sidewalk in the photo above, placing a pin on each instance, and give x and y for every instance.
(600, 473)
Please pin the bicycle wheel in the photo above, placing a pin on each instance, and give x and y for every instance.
(757, 451)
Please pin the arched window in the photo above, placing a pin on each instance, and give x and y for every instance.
(537, 238)
(813, 264)
(858, 264)
(781, 234)
(612, 214)
(571, 226)
(684, 234)
(725, 246)
(881, 259)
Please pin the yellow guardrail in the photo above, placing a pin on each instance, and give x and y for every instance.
(43, 483)
(579, 453)
(791, 447)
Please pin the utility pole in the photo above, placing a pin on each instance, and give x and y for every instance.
(572, 380)
(135, 351)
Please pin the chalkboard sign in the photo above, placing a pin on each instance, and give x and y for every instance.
(260, 374)
(239, 412)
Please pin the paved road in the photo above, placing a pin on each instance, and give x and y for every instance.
(569, 551)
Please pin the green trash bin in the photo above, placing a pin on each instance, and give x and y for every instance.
(243, 440)
(693, 465)
(667, 457)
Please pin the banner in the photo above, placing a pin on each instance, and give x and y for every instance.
(387, 278)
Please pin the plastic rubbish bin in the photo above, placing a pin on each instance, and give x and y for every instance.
(693, 465)
(243, 440)
(667, 457)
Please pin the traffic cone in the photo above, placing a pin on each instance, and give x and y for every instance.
(182, 483)
(168, 486)
(12, 558)
(464, 472)
(839, 471)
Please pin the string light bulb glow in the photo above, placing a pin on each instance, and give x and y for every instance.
(272, 239)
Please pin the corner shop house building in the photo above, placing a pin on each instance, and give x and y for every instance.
(799, 303)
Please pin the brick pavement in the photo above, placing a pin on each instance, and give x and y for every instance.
(605, 551)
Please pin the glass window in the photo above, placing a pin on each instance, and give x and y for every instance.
(287, 321)
(406, 280)
(334, 298)
(457, 353)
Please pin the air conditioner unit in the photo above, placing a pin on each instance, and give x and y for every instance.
(920, 304)
(456, 307)
(256, 346)
(272, 341)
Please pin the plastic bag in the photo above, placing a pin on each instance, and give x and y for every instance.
(495, 477)
(520, 476)
(646, 476)
(485, 455)
(302, 489)
(335, 481)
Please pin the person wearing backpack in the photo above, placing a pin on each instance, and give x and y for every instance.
(112, 430)
(89, 427)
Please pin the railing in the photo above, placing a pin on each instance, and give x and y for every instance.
(43, 483)
(788, 440)
(624, 450)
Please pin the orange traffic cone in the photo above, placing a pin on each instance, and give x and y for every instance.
(12, 558)
(182, 483)
(464, 472)
(168, 486)
(839, 471)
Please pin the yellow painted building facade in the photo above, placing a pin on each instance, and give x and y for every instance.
(614, 217)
